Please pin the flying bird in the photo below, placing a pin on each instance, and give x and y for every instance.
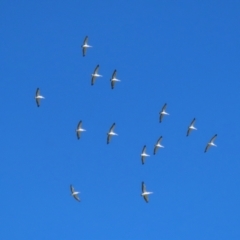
(191, 127)
(95, 75)
(114, 79)
(163, 112)
(144, 154)
(211, 143)
(74, 193)
(85, 45)
(111, 133)
(158, 145)
(38, 97)
(79, 129)
(144, 192)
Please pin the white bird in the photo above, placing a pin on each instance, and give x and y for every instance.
(114, 79)
(111, 133)
(38, 97)
(158, 145)
(144, 154)
(85, 45)
(74, 193)
(79, 129)
(145, 193)
(191, 127)
(211, 143)
(163, 112)
(95, 75)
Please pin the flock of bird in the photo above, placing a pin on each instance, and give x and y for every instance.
(111, 132)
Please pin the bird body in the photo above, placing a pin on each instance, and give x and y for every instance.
(38, 97)
(85, 46)
(145, 193)
(163, 112)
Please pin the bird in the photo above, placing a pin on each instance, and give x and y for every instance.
(95, 74)
(144, 154)
(38, 97)
(158, 145)
(74, 193)
(163, 112)
(85, 46)
(79, 129)
(191, 127)
(211, 143)
(145, 193)
(114, 79)
(111, 133)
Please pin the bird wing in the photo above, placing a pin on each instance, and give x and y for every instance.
(143, 159)
(76, 197)
(84, 51)
(159, 140)
(193, 121)
(93, 80)
(145, 198)
(37, 92)
(213, 138)
(78, 134)
(155, 149)
(189, 130)
(72, 188)
(108, 138)
(79, 124)
(164, 107)
(112, 127)
(112, 84)
(144, 149)
(207, 147)
(143, 187)
(161, 117)
(85, 40)
(114, 74)
(38, 102)
(96, 69)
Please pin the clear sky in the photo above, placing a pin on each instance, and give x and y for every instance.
(183, 53)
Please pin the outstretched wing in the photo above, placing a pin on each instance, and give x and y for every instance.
(112, 84)
(71, 188)
(76, 197)
(164, 107)
(109, 138)
(213, 138)
(38, 102)
(145, 198)
(37, 92)
(188, 131)
(85, 40)
(114, 74)
(143, 187)
(207, 147)
(112, 127)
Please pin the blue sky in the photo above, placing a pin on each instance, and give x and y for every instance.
(183, 53)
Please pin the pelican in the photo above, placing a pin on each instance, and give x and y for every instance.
(211, 143)
(85, 46)
(114, 79)
(95, 75)
(163, 112)
(158, 145)
(79, 129)
(38, 97)
(111, 133)
(144, 154)
(191, 127)
(74, 193)
(145, 193)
